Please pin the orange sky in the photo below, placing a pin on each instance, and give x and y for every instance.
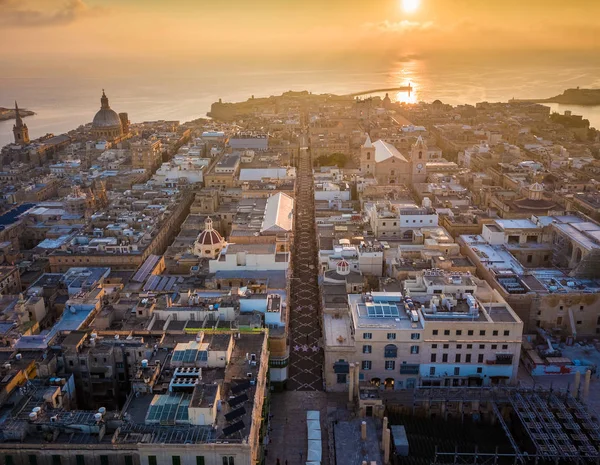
(217, 29)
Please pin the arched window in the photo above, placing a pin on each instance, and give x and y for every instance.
(420, 155)
(390, 351)
(393, 173)
(368, 155)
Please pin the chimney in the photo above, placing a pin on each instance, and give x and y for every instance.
(386, 446)
(363, 430)
(586, 385)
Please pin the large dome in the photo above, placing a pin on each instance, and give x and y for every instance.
(106, 118)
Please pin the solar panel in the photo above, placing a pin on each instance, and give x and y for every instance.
(238, 400)
(233, 428)
(240, 387)
(202, 356)
(235, 414)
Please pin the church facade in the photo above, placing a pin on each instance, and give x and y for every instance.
(387, 165)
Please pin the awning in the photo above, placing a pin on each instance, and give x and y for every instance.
(314, 451)
(313, 415)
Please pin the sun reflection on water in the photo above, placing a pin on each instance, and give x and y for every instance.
(405, 76)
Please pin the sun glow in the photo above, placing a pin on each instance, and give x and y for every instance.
(410, 6)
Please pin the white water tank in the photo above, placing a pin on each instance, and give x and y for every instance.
(102, 410)
(145, 363)
(33, 416)
(98, 416)
(37, 409)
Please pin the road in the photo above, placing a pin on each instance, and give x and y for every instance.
(306, 354)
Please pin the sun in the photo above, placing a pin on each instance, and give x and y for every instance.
(410, 6)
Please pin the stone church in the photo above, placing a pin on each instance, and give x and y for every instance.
(385, 163)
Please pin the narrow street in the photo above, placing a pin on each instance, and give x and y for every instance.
(306, 356)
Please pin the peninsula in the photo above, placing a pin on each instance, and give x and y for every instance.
(10, 113)
(575, 96)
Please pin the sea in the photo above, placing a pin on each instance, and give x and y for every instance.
(64, 99)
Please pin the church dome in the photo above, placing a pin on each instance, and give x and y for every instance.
(343, 267)
(106, 118)
(209, 242)
(211, 237)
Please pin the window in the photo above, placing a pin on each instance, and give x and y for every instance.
(459, 332)
(457, 358)
(82, 362)
(152, 460)
(33, 460)
(414, 349)
(456, 371)
(433, 358)
(469, 346)
(56, 460)
(8, 460)
(446, 332)
(495, 332)
(383, 223)
(70, 363)
(104, 460)
(444, 358)
(366, 364)
(200, 460)
(176, 460)
(434, 346)
(494, 346)
(129, 460)
(468, 358)
(390, 351)
(480, 358)
(367, 349)
(529, 258)
(459, 346)
(479, 370)
(228, 461)
(482, 332)
(390, 365)
(445, 346)
(482, 346)
(506, 332)
(435, 331)
(367, 335)
(341, 378)
(470, 332)
(431, 371)
(504, 346)
(415, 336)
(391, 336)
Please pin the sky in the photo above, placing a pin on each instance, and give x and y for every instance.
(37, 33)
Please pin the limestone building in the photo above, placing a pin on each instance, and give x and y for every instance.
(20, 130)
(383, 161)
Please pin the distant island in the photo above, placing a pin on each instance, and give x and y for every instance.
(9, 113)
(576, 96)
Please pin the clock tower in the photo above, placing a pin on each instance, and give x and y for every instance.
(418, 161)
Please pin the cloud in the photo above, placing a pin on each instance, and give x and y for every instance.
(399, 27)
(17, 13)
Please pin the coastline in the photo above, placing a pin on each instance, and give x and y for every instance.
(9, 113)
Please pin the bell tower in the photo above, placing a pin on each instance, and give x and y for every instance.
(418, 161)
(367, 157)
(20, 130)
